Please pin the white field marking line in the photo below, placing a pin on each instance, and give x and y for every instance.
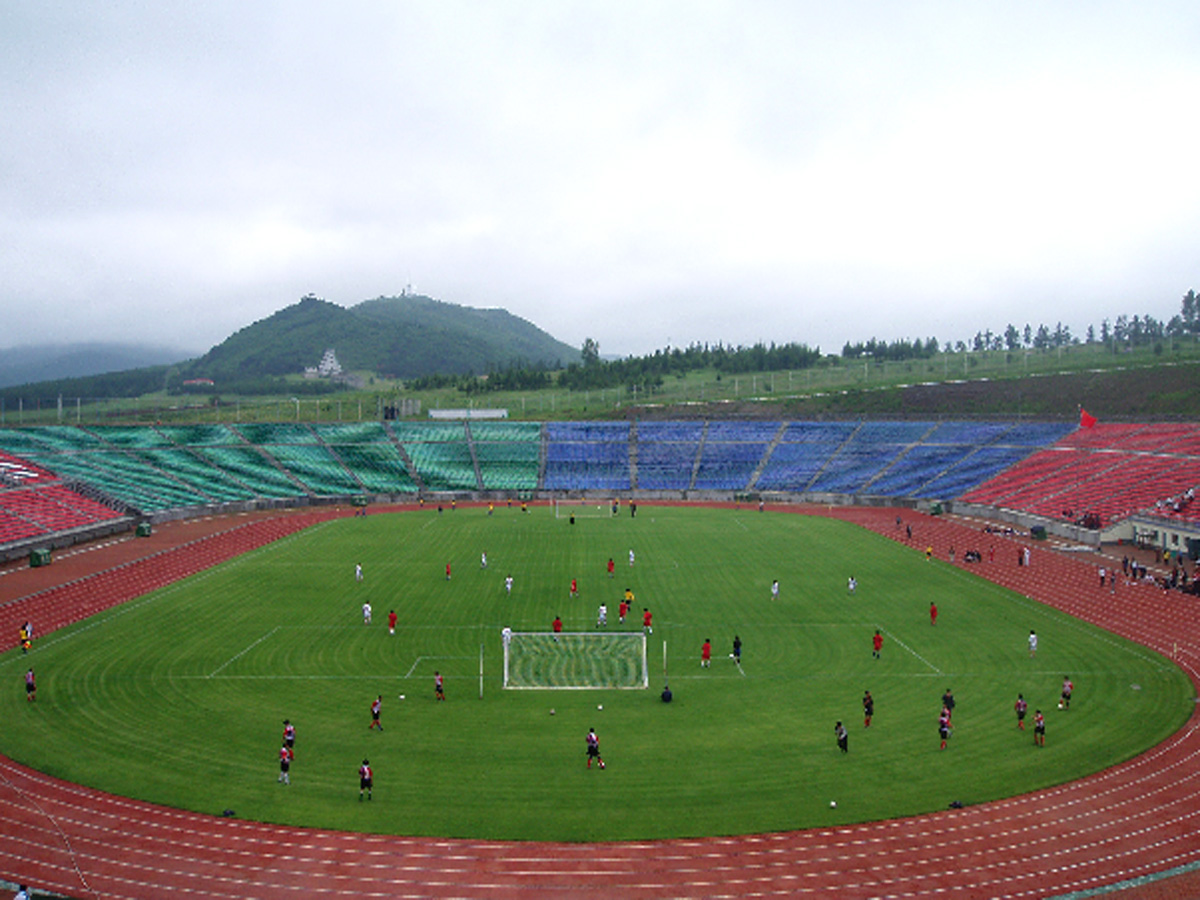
(421, 659)
(63, 836)
(740, 524)
(912, 651)
(238, 656)
(103, 618)
(1073, 620)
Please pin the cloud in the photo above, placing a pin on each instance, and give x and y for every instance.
(631, 172)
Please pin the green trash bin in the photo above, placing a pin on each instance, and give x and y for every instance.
(143, 529)
(39, 557)
(1038, 532)
(936, 509)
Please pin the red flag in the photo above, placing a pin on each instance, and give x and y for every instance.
(1086, 419)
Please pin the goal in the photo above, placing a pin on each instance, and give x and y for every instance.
(583, 509)
(540, 660)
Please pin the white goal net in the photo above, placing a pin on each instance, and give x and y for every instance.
(540, 660)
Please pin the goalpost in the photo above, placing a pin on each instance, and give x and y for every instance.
(583, 509)
(541, 660)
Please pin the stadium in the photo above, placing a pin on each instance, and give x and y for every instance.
(92, 517)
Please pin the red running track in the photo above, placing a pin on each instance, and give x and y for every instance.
(1129, 821)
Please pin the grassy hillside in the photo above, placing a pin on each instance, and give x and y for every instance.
(398, 336)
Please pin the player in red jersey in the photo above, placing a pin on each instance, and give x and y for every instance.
(876, 644)
(447, 571)
(557, 625)
(30, 686)
(366, 780)
(1021, 706)
(706, 653)
(647, 619)
(391, 621)
(285, 764)
(868, 709)
(376, 709)
(611, 566)
(1067, 688)
(623, 610)
(439, 688)
(1039, 729)
(574, 587)
(933, 611)
(944, 726)
(289, 734)
(593, 748)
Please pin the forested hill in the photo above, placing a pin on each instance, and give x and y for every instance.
(403, 337)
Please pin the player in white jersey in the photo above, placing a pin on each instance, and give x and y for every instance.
(366, 613)
(602, 616)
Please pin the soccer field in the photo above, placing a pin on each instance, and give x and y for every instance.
(179, 697)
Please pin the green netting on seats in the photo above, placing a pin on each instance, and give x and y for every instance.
(200, 435)
(316, 467)
(146, 490)
(378, 466)
(509, 466)
(197, 472)
(141, 436)
(251, 468)
(352, 432)
(47, 437)
(277, 433)
(506, 431)
(429, 431)
(444, 467)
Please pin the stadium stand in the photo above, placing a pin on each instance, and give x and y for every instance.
(200, 435)
(139, 436)
(276, 433)
(444, 465)
(508, 466)
(248, 466)
(316, 467)
(351, 432)
(726, 465)
(378, 467)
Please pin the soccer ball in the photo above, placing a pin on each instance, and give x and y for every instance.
(551, 712)
(1060, 706)
(602, 764)
(600, 706)
(401, 696)
(731, 656)
(833, 804)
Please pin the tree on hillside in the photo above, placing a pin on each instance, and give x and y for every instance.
(591, 352)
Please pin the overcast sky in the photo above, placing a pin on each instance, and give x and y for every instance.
(642, 173)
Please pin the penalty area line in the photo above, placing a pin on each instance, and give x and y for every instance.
(238, 656)
(912, 651)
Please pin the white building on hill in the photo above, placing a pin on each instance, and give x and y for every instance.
(328, 367)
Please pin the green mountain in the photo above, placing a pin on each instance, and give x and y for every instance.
(403, 337)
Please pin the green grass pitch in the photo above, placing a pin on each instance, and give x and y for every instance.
(179, 697)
